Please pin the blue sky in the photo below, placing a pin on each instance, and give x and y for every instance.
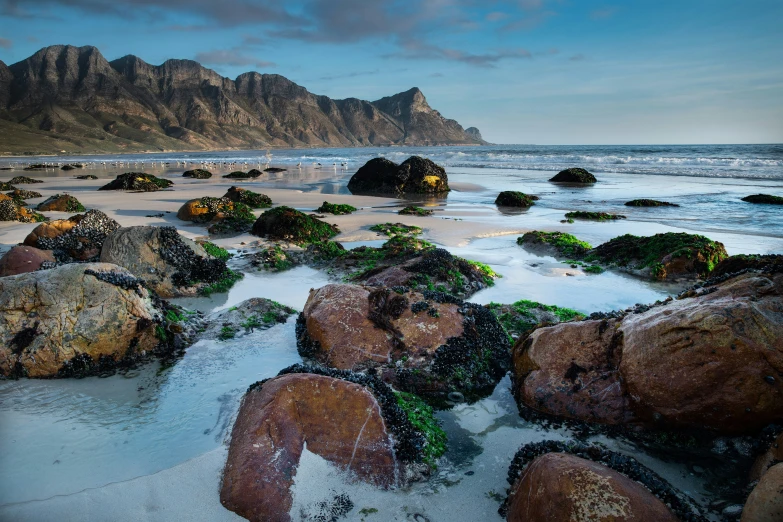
(522, 71)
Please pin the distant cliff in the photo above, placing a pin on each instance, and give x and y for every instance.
(72, 99)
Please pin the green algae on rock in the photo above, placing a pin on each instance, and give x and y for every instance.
(138, 181)
(396, 229)
(238, 174)
(524, 316)
(764, 198)
(248, 197)
(336, 209)
(573, 175)
(593, 216)
(512, 198)
(564, 245)
(286, 223)
(649, 203)
(412, 210)
(197, 174)
(61, 203)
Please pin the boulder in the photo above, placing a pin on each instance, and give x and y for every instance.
(171, 264)
(22, 259)
(415, 175)
(765, 503)
(223, 213)
(73, 318)
(512, 198)
(86, 176)
(21, 194)
(248, 197)
(288, 224)
(733, 264)
(251, 314)
(710, 360)
(61, 203)
(427, 343)
(593, 216)
(649, 203)
(197, 174)
(72, 166)
(573, 175)
(78, 238)
(558, 487)
(556, 244)
(772, 456)
(138, 181)
(339, 420)
(24, 180)
(6, 186)
(415, 211)
(764, 198)
(12, 210)
(238, 174)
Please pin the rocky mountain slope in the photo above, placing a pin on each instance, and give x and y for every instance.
(72, 99)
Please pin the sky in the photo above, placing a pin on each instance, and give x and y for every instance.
(522, 71)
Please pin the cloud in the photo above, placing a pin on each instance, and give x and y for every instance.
(350, 75)
(495, 16)
(436, 75)
(5, 43)
(419, 50)
(577, 58)
(603, 14)
(528, 22)
(232, 57)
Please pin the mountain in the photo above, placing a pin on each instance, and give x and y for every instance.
(71, 99)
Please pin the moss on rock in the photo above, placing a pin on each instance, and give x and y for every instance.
(138, 181)
(286, 223)
(511, 198)
(562, 244)
(61, 203)
(574, 175)
(593, 216)
(649, 203)
(415, 211)
(248, 197)
(336, 209)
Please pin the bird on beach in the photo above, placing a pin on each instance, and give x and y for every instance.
(299, 165)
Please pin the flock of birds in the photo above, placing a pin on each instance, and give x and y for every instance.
(178, 164)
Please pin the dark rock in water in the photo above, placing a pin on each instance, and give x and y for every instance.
(574, 175)
(649, 203)
(224, 214)
(696, 362)
(39, 166)
(23, 180)
(248, 316)
(593, 216)
(557, 480)
(12, 210)
(6, 186)
(732, 264)
(21, 194)
(352, 420)
(414, 176)
(662, 256)
(238, 174)
(288, 224)
(86, 176)
(558, 244)
(274, 169)
(248, 197)
(171, 264)
(447, 345)
(512, 198)
(197, 174)
(415, 211)
(72, 166)
(78, 238)
(80, 321)
(764, 198)
(138, 181)
(22, 259)
(61, 203)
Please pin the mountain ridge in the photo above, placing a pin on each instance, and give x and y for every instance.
(71, 99)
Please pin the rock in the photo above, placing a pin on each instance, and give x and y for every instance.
(765, 503)
(252, 314)
(338, 420)
(6, 186)
(197, 174)
(732, 264)
(697, 362)
(573, 175)
(20, 194)
(522, 317)
(352, 420)
(593, 216)
(78, 238)
(765, 461)
(24, 180)
(86, 176)
(238, 174)
(414, 176)
(72, 166)
(427, 343)
(474, 133)
(248, 197)
(77, 318)
(764, 198)
(662, 256)
(286, 223)
(649, 203)
(511, 198)
(274, 170)
(336, 209)
(22, 259)
(224, 215)
(171, 264)
(557, 244)
(11, 210)
(415, 211)
(558, 487)
(138, 181)
(61, 203)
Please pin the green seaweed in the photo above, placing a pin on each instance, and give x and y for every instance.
(223, 284)
(518, 318)
(422, 417)
(565, 244)
(414, 211)
(216, 251)
(593, 216)
(336, 209)
(396, 229)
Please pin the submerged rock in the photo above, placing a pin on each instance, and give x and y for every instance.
(593, 216)
(77, 318)
(138, 181)
(558, 244)
(248, 197)
(171, 264)
(352, 420)
(427, 343)
(78, 238)
(197, 174)
(649, 203)
(415, 175)
(72, 166)
(511, 198)
(701, 362)
(764, 198)
(288, 224)
(574, 175)
(61, 203)
(251, 314)
(22, 259)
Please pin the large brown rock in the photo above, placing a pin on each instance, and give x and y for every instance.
(571, 370)
(418, 339)
(765, 503)
(51, 317)
(155, 254)
(712, 360)
(338, 420)
(772, 456)
(22, 259)
(558, 487)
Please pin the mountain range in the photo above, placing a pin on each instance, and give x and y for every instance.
(71, 99)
